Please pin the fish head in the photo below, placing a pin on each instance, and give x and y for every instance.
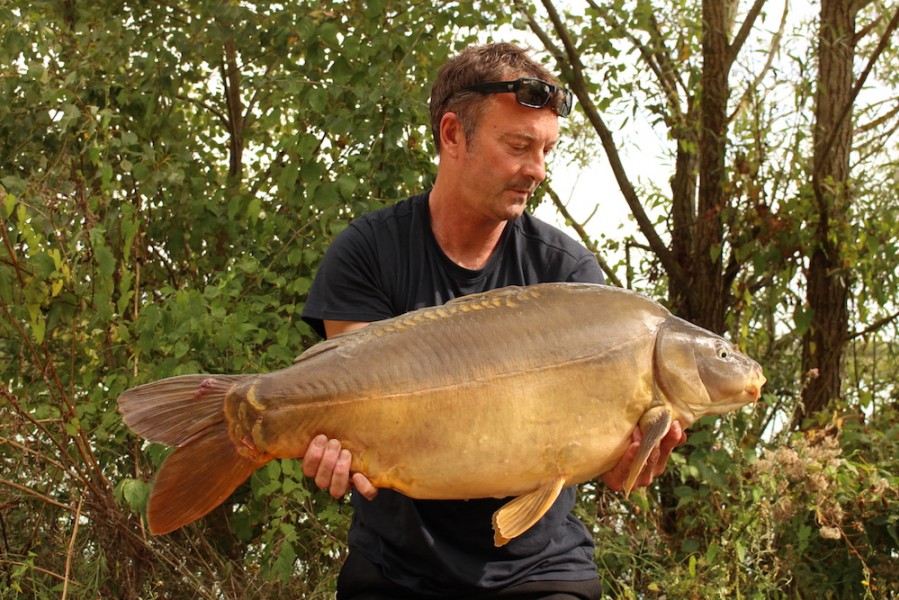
(700, 373)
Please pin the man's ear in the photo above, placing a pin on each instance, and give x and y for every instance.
(452, 135)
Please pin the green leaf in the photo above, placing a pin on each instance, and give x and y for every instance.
(711, 553)
(42, 265)
(135, 493)
(9, 204)
(105, 261)
(39, 328)
(346, 185)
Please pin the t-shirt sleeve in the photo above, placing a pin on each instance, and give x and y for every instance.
(586, 270)
(348, 285)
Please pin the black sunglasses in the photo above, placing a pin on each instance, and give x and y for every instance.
(530, 92)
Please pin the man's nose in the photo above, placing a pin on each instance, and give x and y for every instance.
(535, 168)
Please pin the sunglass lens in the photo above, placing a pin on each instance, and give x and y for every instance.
(565, 103)
(537, 94)
(533, 93)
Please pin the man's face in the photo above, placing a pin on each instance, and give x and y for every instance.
(506, 159)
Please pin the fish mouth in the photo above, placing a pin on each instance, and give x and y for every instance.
(754, 389)
(749, 395)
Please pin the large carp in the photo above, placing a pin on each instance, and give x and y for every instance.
(514, 392)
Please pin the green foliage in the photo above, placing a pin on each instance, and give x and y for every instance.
(812, 516)
(170, 176)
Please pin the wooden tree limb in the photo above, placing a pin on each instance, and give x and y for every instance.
(857, 88)
(571, 63)
(76, 521)
(588, 241)
(658, 62)
(775, 46)
(231, 80)
(737, 44)
(875, 326)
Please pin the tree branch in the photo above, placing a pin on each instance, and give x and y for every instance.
(589, 242)
(878, 324)
(847, 109)
(231, 80)
(580, 88)
(658, 62)
(775, 45)
(737, 44)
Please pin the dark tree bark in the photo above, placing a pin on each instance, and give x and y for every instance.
(827, 286)
(702, 298)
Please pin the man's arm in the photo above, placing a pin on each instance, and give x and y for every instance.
(333, 328)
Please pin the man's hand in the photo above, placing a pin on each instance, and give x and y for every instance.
(655, 464)
(329, 464)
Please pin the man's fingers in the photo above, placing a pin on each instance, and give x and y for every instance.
(655, 463)
(649, 469)
(676, 437)
(325, 472)
(364, 486)
(340, 477)
(329, 464)
(313, 456)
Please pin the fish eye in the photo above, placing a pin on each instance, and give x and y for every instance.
(723, 353)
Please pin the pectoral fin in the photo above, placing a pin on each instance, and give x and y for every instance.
(518, 515)
(654, 425)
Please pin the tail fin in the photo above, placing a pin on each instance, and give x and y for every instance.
(196, 478)
(187, 412)
(171, 411)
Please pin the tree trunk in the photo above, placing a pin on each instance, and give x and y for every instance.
(701, 297)
(827, 286)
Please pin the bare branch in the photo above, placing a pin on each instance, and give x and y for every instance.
(859, 84)
(39, 570)
(658, 62)
(876, 325)
(737, 44)
(589, 242)
(221, 116)
(580, 88)
(775, 45)
(881, 120)
(75, 521)
(35, 494)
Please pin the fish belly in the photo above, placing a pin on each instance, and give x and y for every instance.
(499, 437)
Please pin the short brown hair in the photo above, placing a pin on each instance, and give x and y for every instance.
(478, 64)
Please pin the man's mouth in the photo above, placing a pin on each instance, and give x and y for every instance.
(525, 190)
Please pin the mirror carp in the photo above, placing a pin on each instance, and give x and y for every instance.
(515, 392)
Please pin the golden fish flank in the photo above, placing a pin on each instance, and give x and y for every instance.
(549, 380)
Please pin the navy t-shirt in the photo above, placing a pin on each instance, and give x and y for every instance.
(388, 263)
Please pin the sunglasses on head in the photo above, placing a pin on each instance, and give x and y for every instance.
(530, 92)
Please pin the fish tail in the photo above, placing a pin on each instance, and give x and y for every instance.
(206, 467)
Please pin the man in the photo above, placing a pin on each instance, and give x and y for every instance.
(494, 117)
